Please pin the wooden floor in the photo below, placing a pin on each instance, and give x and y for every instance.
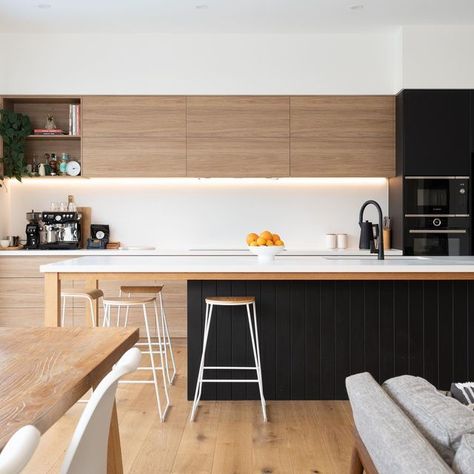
(227, 437)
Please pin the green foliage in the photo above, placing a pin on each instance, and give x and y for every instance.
(14, 128)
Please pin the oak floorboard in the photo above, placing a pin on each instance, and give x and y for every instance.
(226, 438)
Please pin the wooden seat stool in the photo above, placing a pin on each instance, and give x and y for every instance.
(125, 302)
(247, 301)
(165, 342)
(88, 295)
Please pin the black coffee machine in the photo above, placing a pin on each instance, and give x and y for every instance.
(33, 230)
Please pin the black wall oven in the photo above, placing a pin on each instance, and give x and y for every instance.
(437, 214)
(437, 236)
(437, 195)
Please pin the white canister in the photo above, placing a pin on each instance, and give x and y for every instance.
(341, 241)
(331, 241)
(41, 170)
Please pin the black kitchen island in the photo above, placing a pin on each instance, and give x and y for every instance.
(313, 334)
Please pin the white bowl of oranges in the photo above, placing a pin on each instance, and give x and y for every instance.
(265, 245)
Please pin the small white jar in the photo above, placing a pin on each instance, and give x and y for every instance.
(331, 241)
(341, 241)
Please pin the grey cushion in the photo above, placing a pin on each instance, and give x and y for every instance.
(464, 458)
(443, 420)
(393, 442)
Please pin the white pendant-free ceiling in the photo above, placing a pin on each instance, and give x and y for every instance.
(227, 16)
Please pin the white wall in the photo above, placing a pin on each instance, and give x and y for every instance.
(438, 57)
(200, 213)
(198, 64)
(208, 213)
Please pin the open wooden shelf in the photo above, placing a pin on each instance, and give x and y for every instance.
(53, 137)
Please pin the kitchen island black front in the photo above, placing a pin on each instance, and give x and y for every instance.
(313, 334)
(320, 318)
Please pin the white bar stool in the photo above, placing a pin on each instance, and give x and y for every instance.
(88, 295)
(246, 301)
(120, 302)
(166, 339)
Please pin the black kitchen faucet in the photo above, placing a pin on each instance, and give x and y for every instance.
(378, 228)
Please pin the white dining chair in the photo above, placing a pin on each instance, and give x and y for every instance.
(19, 449)
(87, 451)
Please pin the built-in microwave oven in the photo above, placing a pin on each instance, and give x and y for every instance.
(437, 195)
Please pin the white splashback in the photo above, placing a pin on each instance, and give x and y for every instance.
(191, 213)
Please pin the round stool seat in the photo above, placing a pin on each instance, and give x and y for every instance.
(230, 300)
(81, 293)
(124, 301)
(141, 289)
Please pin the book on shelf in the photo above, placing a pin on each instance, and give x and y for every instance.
(74, 119)
(48, 131)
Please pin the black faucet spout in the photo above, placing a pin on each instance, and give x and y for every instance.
(381, 255)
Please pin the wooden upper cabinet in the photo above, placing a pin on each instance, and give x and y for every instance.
(134, 116)
(238, 136)
(134, 136)
(342, 136)
(238, 117)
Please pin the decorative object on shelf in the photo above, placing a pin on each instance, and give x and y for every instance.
(53, 163)
(73, 168)
(14, 128)
(74, 119)
(41, 169)
(50, 123)
(63, 164)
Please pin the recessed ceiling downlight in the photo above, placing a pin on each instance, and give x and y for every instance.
(358, 6)
(202, 6)
(44, 6)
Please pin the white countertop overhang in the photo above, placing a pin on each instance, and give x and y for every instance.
(249, 264)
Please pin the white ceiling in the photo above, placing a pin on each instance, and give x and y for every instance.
(227, 16)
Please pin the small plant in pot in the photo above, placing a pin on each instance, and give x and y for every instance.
(14, 128)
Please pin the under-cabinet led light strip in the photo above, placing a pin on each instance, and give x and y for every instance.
(51, 181)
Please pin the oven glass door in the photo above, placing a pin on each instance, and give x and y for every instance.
(441, 243)
(437, 196)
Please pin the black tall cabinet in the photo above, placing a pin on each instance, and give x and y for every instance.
(435, 137)
(436, 132)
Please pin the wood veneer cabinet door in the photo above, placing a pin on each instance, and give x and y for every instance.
(238, 116)
(238, 136)
(134, 116)
(342, 136)
(134, 157)
(238, 157)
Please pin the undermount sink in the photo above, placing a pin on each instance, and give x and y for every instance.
(374, 257)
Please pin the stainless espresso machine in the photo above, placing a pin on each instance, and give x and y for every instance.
(57, 230)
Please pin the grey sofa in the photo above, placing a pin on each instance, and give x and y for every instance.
(406, 426)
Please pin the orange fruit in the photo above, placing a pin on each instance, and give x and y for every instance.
(261, 241)
(276, 237)
(280, 243)
(267, 235)
(251, 238)
(270, 243)
(253, 243)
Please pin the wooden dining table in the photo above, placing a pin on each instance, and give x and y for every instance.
(44, 371)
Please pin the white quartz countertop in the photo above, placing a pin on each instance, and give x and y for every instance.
(181, 252)
(249, 264)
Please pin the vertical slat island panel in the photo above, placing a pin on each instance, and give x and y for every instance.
(313, 334)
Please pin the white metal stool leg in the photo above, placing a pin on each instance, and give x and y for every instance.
(256, 356)
(160, 331)
(197, 394)
(63, 311)
(166, 341)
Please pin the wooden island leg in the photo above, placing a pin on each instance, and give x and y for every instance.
(92, 284)
(52, 300)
